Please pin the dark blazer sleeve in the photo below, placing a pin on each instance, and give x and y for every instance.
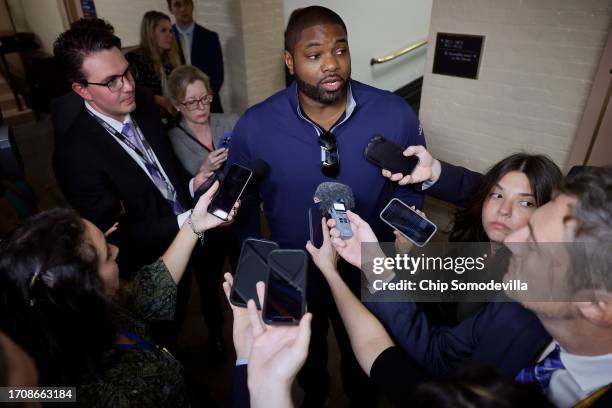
(444, 350)
(240, 391)
(455, 184)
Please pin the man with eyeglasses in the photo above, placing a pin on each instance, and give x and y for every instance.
(314, 131)
(115, 163)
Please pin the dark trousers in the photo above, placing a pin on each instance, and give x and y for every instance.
(208, 264)
(314, 377)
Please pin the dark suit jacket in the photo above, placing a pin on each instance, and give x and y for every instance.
(104, 184)
(207, 56)
(455, 184)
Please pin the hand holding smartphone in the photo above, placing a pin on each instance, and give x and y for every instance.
(252, 268)
(408, 222)
(285, 300)
(231, 189)
(388, 155)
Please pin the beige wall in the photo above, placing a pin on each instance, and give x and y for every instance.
(252, 46)
(263, 29)
(536, 72)
(42, 17)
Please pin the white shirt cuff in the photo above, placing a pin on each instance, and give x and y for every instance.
(191, 186)
(242, 361)
(181, 218)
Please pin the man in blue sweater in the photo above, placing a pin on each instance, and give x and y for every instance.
(286, 131)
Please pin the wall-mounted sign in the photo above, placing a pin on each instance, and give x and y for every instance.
(89, 8)
(458, 55)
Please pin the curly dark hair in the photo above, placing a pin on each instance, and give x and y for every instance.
(85, 37)
(52, 300)
(543, 175)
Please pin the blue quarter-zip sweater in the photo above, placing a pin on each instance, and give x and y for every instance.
(275, 131)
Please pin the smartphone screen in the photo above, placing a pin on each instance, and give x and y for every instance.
(408, 222)
(252, 268)
(316, 231)
(284, 301)
(230, 190)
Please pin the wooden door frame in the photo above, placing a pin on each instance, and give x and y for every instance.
(594, 110)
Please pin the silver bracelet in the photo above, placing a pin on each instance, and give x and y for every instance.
(199, 234)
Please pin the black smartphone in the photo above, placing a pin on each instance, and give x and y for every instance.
(285, 300)
(314, 222)
(408, 222)
(252, 268)
(231, 188)
(388, 155)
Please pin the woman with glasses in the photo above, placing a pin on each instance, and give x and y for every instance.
(200, 140)
(156, 56)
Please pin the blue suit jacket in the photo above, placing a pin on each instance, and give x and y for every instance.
(504, 335)
(206, 55)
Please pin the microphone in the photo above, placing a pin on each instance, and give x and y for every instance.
(335, 199)
(330, 192)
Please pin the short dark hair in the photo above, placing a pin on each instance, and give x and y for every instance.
(306, 17)
(93, 23)
(85, 37)
(52, 299)
(170, 3)
(543, 175)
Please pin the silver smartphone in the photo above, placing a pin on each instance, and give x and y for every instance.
(408, 222)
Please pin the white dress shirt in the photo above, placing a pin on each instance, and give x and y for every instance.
(582, 376)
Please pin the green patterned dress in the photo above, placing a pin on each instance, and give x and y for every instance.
(143, 375)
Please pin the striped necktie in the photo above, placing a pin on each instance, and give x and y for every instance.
(542, 372)
(164, 187)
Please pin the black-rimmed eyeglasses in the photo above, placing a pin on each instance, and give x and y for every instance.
(330, 166)
(115, 83)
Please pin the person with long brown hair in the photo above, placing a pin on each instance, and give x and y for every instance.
(157, 54)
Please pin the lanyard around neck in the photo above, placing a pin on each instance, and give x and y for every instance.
(195, 139)
(147, 156)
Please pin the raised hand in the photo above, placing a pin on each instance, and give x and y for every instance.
(277, 355)
(241, 331)
(325, 257)
(428, 168)
(214, 160)
(202, 219)
(350, 249)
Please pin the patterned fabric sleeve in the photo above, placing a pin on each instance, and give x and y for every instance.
(151, 295)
